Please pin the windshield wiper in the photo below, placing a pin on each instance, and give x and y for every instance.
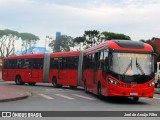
(129, 65)
(139, 67)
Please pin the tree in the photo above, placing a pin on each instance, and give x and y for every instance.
(62, 43)
(92, 38)
(28, 40)
(78, 40)
(7, 40)
(112, 35)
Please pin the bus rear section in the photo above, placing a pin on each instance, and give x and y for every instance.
(119, 68)
(23, 69)
(64, 69)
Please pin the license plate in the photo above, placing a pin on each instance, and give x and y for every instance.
(133, 93)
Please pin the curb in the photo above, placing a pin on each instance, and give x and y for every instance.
(14, 94)
(14, 99)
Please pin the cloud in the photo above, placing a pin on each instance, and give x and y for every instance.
(137, 18)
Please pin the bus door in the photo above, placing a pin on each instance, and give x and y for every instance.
(61, 69)
(23, 69)
(96, 60)
(36, 70)
(91, 73)
(71, 66)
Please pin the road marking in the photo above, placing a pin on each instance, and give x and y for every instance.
(150, 98)
(64, 96)
(45, 96)
(85, 97)
(145, 98)
(156, 98)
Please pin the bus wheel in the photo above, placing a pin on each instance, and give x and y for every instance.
(99, 91)
(54, 82)
(18, 81)
(135, 99)
(73, 87)
(32, 84)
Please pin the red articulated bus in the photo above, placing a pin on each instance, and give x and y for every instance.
(56, 68)
(113, 68)
(119, 68)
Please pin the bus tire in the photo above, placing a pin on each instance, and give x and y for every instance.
(135, 99)
(54, 82)
(73, 87)
(32, 83)
(19, 81)
(99, 90)
(85, 86)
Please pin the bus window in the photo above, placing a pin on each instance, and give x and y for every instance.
(106, 60)
(6, 64)
(26, 64)
(54, 63)
(38, 63)
(74, 63)
(19, 63)
(68, 63)
(12, 64)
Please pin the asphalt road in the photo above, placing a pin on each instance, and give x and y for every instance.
(46, 98)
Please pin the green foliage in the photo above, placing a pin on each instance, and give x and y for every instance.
(62, 43)
(8, 32)
(28, 36)
(28, 40)
(92, 38)
(78, 40)
(112, 35)
(8, 38)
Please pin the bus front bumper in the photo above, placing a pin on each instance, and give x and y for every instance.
(114, 90)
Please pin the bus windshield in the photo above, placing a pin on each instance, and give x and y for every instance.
(131, 64)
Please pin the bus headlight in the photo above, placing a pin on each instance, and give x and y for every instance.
(113, 81)
(151, 84)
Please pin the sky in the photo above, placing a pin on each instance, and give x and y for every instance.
(140, 19)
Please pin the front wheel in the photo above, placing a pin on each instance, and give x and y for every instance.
(54, 82)
(19, 81)
(135, 99)
(32, 83)
(73, 87)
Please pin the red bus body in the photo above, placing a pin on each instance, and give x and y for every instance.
(66, 70)
(26, 74)
(106, 83)
(36, 68)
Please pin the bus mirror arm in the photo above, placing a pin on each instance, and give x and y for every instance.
(154, 54)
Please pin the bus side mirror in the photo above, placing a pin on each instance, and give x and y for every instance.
(154, 54)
